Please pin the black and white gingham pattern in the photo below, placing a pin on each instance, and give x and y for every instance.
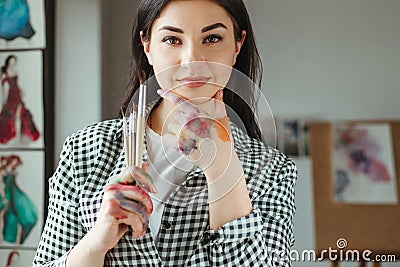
(92, 156)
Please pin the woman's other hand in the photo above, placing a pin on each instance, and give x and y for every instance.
(199, 129)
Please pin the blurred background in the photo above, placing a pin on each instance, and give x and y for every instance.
(326, 60)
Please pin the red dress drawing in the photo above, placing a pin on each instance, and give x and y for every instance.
(9, 111)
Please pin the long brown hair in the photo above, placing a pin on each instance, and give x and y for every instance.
(4, 68)
(248, 61)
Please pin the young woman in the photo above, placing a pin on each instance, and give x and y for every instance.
(233, 203)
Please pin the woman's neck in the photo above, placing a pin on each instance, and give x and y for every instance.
(159, 116)
(11, 73)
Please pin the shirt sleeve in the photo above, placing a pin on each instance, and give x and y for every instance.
(265, 236)
(62, 229)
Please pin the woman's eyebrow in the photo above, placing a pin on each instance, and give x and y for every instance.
(205, 29)
(171, 28)
(213, 26)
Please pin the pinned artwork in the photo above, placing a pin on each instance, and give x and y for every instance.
(21, 197)
(21, 100)
(293, 137)
(22, 24)
(363, 164)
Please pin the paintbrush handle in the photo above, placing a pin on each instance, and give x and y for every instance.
(140, 125)
(139, 140)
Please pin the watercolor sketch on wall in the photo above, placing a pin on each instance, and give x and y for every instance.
(21, 115)
(363, 164)
(22, 24)
(293, 136)
(21, 197)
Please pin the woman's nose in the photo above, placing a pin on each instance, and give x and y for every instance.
(191, 53)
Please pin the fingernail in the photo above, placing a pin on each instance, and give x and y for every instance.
(154, 189)
(143, 233)
(160, 92)
(136, 235)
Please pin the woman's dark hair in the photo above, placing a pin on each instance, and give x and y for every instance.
(248, 61)
(6, 63)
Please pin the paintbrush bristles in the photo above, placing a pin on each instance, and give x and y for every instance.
(142, 76)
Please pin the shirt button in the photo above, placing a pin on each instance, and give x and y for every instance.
(205, 239)
(167, 225)
(214, 237)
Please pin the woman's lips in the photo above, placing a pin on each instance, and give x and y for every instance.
(193, 82)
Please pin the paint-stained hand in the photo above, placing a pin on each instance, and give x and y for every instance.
(139, 176)
(125, 205)
(199, 129)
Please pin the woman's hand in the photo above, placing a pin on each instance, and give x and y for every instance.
(200, 130)
(125, 206)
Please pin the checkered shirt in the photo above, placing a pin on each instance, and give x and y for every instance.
(92, 156)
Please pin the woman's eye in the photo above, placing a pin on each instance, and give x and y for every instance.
(213, 39)
(171, 40)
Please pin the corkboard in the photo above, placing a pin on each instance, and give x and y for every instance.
(372, 227)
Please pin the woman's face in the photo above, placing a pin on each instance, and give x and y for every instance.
(12, 62)
(192, 48)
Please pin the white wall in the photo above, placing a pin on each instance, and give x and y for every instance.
(327, 60)
(332, 59)
(77, 67)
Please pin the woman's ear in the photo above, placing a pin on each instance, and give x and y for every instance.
(239, 45)
(146, 47)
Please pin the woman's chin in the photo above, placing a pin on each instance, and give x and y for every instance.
(198, 97)
(198, 94)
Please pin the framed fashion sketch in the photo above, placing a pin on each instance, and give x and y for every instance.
(21, 99)
(21, 197)
(22, 24)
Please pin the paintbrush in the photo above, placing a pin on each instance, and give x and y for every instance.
(141, 119)
(133, 134)
(125, 134)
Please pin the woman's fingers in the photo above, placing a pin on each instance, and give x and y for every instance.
(134, 221)
(135, 174)
(143, 179)
(206, 107)
(137, 222)
(220, 110)
(175, 127)
(145, 167)
(134, 217)
(170, 140)
(123, 192)
(137, 208)
(179, 101)
(180, 117)
(129, 205)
